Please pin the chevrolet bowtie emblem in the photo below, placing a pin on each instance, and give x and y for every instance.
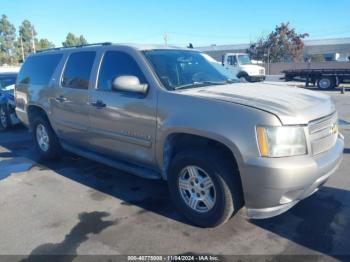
(334, 129)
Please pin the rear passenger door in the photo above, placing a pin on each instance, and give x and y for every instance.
(70, 104)
(124, 124)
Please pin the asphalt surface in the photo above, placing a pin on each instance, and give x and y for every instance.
(77, 206)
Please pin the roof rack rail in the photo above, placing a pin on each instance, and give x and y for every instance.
(74, 46)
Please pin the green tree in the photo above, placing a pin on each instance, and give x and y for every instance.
(72, 40)
(26, 34)
(282, 44)
(44, 44)
(7, 41)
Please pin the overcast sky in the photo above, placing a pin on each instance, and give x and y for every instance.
(202, 22)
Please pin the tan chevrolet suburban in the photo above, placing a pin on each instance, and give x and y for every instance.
(169, 113)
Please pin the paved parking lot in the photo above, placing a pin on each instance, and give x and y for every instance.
(77, 206)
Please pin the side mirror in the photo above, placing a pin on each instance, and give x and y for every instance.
(129, 84)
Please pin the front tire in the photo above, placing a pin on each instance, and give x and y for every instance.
(5, 121)
(247, 78)
(204, 187)
(45, 139)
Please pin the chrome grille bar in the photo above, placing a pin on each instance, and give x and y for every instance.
(321, 133)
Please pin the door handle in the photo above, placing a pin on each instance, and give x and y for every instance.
(61, 99)
(98, 104)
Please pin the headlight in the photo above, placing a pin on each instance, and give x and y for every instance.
(281, 141)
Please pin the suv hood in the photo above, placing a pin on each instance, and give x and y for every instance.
(292, 105)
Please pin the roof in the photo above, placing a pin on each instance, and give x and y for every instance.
(330, 41)
(224, 47)
(143, 47)
(140, 47)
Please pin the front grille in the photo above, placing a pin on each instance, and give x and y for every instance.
(323, 134)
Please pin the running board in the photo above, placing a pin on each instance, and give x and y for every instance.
(118, 164)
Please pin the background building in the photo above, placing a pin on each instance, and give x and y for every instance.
(336, 49)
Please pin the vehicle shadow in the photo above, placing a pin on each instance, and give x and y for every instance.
(320, 223)
(149, 195)
(66, 251)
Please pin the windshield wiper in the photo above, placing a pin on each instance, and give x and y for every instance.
(201, 83)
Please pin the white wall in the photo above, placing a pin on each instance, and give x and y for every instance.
(9, 69)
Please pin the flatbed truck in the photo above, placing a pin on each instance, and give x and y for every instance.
(323, 78)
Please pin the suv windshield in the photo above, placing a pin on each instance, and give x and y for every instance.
(186, 69)
(244, 59)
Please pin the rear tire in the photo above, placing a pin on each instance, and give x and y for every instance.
(225, 191)
(45, 139)
(326, 83)
(5, 121)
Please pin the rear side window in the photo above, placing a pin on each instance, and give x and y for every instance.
(78, 70)
(38, 69)
(114, 64)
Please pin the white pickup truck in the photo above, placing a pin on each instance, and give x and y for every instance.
(241, 65)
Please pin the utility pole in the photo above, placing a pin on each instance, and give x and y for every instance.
(33, 39)
(165, 39)
(20, 37)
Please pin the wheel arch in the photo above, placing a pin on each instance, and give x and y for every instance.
(178, 140)
(242, 74)
(35, 110)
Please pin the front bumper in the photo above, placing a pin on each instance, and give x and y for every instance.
(257, 78)
(273, 185)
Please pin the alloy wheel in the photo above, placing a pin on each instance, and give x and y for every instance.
(42, 137)
(197, 189)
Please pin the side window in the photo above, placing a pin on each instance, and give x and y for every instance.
(78, 70)
(229, 60)
(38, 69)
(114, 64)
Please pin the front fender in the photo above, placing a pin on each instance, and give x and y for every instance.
(168, 131)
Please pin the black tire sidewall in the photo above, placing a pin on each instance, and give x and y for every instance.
(224, 202)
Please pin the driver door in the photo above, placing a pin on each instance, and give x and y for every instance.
(122, 124)
(232, 64)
